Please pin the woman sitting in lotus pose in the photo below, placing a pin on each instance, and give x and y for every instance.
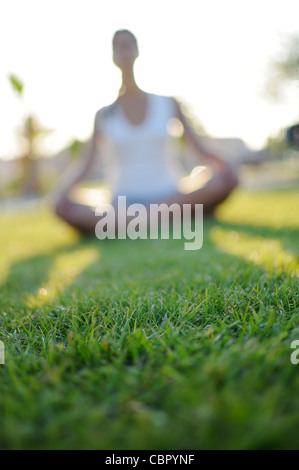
(134, 129)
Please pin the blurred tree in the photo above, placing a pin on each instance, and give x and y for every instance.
(283, 72)
(277, 143)
(30, 135)
(284, 69)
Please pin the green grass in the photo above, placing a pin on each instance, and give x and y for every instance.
(141, 345)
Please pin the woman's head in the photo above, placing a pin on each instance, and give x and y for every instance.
(125, 48)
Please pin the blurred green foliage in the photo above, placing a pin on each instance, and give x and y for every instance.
(284, 68)
(16, 83)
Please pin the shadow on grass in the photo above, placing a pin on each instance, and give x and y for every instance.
(142, 265)
(27, 275)
(288, 236)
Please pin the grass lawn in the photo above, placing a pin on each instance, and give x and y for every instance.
(141, 345)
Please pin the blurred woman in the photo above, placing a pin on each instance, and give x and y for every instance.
(134, 129)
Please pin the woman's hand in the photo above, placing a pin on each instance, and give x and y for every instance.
(216, 163)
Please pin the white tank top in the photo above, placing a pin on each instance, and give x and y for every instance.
(140, 159)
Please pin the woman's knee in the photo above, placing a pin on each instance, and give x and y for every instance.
(76, 215)
(61, 208)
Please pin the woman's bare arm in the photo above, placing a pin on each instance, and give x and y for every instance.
(206, 156)
(80, 169)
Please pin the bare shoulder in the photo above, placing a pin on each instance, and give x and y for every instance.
(105, 111)
(101, 115)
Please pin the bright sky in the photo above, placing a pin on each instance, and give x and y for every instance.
(213, 54)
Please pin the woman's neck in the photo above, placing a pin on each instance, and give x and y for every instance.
(129, 86)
